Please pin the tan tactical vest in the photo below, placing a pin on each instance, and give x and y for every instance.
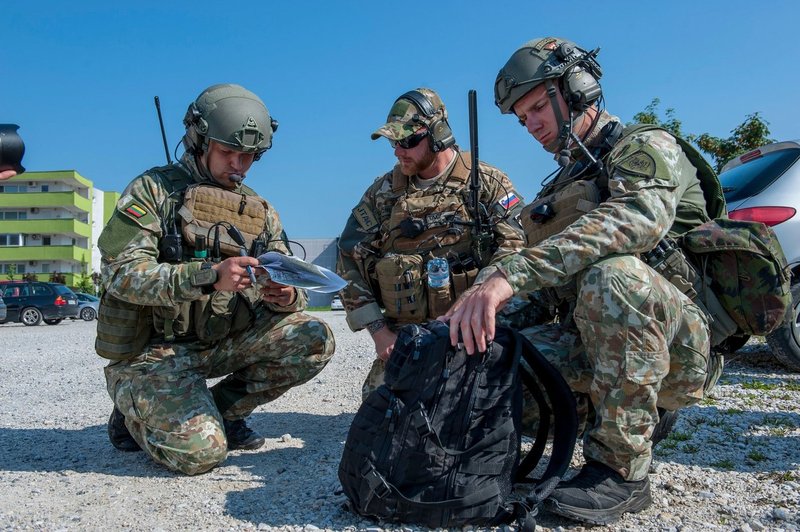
(401, 272)
(124, 329)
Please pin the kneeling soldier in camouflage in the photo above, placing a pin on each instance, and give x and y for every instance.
(180, 305)
(413, 219)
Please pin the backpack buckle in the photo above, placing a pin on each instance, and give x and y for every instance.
(421, 422)
(377, 484)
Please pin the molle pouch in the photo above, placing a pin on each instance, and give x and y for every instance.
(402, 287)
(123, 329)
(205, 205)
(221, 314)
(435, 213)
(551, 214)
(462, 280)
(439, 299)
(744, 265)
(172, 322)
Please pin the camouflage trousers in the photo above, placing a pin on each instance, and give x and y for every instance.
(177, 419)
(637, 344)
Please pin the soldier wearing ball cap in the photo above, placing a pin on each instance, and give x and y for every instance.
(412, 214)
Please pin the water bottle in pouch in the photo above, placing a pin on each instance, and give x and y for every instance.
(438, 273)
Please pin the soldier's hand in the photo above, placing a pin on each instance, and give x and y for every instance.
(474, 312)
(7, 174)
(384, 342)
(280, 294)
(232, 275)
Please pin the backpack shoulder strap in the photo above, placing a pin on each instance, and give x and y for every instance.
(712, 189)
(557, 403)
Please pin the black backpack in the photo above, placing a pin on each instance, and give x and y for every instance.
(438, 444)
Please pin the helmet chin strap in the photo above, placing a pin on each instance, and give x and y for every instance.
(566, 133)
(558, 145)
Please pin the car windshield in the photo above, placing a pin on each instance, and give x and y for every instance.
(754, 176)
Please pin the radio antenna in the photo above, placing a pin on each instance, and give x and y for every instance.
(163, 134)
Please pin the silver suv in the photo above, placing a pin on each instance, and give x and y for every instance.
(764, 185)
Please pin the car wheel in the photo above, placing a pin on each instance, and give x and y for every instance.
(30, 316)
(88, 314)
(785, 342)
(54, 321)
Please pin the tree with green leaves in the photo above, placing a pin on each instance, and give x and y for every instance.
(85, 282)
(749, 135)
(650, 116)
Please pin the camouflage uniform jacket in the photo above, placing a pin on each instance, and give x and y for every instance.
(372, 229)
(129, 245)
(654, 192)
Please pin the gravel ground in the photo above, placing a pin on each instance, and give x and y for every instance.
(733, 462)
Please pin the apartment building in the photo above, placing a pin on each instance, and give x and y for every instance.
(50, 222)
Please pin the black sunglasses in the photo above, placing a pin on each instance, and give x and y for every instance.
(411, 141)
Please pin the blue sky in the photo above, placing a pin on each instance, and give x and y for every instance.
(79, 78)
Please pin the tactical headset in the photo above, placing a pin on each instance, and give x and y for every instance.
(440, 133)
(579, 84)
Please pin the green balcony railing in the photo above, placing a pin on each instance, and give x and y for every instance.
(28, 253)
(24, 200)
(58, 226)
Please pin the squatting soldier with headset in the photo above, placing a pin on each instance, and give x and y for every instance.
(418, 212)
(180, 305)
(631, 344)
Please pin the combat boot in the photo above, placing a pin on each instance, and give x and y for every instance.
(598, 495)
(240, 436)
(666, 422)
(118, 433)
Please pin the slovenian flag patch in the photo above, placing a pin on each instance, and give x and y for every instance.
(509, 200)
(136, 211)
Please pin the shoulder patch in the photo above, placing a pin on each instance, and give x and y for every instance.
(135, 210)
(365, 217)
(639, 163)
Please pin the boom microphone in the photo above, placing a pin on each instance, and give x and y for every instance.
(236, 178)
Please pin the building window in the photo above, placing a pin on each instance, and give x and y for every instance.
(45, 268)
(10, 240)
(16, 268)
(13, 215)
(45, 240)
(10, 189)
(45, 188)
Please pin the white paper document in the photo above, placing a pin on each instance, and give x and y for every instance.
(292, 271)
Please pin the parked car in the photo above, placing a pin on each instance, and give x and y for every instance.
(2, 310)
(32, 302)
(336, 303)
(88, 306)
(764, 185)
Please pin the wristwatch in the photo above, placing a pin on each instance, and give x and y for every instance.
(375, 326)
(205, 278)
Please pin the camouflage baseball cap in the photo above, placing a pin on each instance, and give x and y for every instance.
(405, 118)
